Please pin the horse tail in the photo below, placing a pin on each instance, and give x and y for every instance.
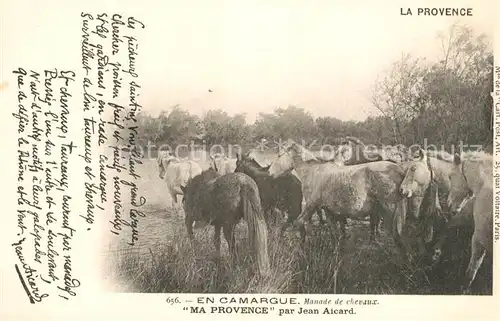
(257, 229)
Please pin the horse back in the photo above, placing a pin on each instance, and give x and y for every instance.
(227, 193)
(288, 193)
(384, 180)
(178, 174)
(288, 186)
(265, 183)
(375, 181)
(187, 170)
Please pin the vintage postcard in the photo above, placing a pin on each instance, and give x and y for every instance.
(285, 159)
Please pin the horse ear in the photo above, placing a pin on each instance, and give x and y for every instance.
(456, 159)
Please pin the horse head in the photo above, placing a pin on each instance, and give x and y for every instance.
(164, 160)
(343, 153)
(416, 181)
(285, 162)
(220, 162)
(213, 163)
(161, 160)
(240, 159)
(246, 163)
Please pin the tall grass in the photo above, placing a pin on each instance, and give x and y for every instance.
(165, 261)
(323, 264)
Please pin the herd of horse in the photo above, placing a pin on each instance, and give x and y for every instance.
(393, 185)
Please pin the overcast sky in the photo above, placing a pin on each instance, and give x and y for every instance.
(256, 55)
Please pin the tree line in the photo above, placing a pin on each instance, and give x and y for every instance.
(444, 102)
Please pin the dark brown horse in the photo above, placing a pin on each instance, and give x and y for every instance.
(223, 201)
(283, 193)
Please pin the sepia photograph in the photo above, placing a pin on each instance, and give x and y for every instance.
(284, 158)
(288, 154)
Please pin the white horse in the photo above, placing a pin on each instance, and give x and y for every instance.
(471, 181)
(177, 173)
(222, 164)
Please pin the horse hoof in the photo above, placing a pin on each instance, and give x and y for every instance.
(466, 290)
(200, 224)
(436, 257)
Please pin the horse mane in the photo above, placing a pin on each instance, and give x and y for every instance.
(254, 166)
(171, 159)
(477, 156)
(467, 155)
(441, 155)
(354, 140)
(318, 160)
(259, 166)
(204, 176)
(431, 211)
(304, 151)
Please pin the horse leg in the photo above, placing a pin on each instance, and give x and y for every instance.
(171, 193)
(276, 215)
(217, 239)
(333, 219)
(189, 227)
(287, 223)
(320, 212)
(269, 215)
(292, 211)
(284, 226)
(174, 199)
(374, 222)
(375, 218)
(476, 259)
(437, 250)
(304, 217)
(343, 222)
(229, 235)
(453, 223)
